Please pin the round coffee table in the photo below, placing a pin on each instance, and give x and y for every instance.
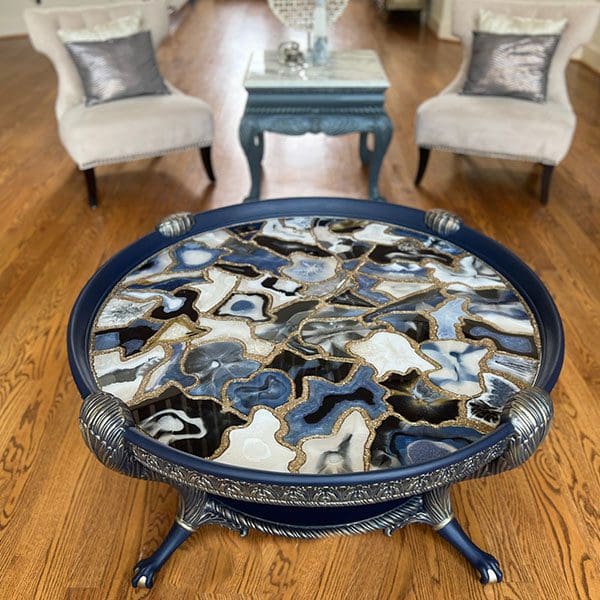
(314, 366)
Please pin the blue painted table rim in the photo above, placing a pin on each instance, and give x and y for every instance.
(522, 277)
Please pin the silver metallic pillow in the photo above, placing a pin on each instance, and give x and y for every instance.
(117, 68)
(513, 65)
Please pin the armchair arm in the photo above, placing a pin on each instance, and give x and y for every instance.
(529, 412)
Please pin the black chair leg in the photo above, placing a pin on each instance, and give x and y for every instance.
(206, 161)
(423, 159)
(90, 181)
(547, 171)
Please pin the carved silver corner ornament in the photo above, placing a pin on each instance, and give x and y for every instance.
(103, 420)
(176, 224)
(530, 412)
(442, 222)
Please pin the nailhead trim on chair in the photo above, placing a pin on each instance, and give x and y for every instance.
(535, 159)
(128, 157)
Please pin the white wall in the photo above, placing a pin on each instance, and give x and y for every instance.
(440, 19)
(11, 19)
(591, 53)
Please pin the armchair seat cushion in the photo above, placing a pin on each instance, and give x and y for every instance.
(134, 128)
(495, 126)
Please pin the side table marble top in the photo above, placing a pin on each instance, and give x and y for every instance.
(344, 96)
(350, 68)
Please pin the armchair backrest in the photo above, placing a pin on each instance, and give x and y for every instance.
(43, 24)
(582, 20)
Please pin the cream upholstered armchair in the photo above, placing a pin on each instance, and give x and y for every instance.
(507, 127)
(122, 130)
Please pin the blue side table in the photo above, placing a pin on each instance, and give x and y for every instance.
(344, 96)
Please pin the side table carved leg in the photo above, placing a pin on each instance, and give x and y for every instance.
(382, 132)
(251, 139)
(363, 148)
(260, 139)
(438, 506)
(195, 510)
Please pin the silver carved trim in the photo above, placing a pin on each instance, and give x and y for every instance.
(410, 511)
(300, 124)
(530, 413)
(322, 495)
(196, 509)
(368, 111)
(438, 506)
(103, 420)
(502, 155)
(176, 224)
(442, 222)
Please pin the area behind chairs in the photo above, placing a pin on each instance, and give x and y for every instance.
(122, 130)
(504, 127)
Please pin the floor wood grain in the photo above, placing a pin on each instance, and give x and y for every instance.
(70, 528)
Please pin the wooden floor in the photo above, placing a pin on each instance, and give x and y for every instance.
(70, 528)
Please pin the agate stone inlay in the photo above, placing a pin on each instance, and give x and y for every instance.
(315, 345)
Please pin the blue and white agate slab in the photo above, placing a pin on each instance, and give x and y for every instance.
(315, 346)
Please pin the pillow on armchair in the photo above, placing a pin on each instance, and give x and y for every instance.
(117, 68)
(511, 56)
(511, 65)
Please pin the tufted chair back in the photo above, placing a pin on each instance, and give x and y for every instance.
(43, 24)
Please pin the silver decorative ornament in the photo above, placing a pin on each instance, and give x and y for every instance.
(442, 222)
(176, 224)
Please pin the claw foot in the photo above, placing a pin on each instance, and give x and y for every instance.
(487, 566)
(489, 569)
(143, 573)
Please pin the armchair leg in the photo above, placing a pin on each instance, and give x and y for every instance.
(546, 178)
(206, 161)
(90, 182)
(423, 159)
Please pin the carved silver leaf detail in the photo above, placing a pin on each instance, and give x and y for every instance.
(176, 224)
(438, 506)
(103, 420)
(322, 495)
(530, 412)
(442, 222)
(410, 511)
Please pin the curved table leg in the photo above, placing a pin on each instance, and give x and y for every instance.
(146, 569)
(383, 134)
(251, 139)
(438, 506)
(486, 564)
(363, 148)
(195, 509)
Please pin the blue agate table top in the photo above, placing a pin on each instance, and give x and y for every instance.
(314, 345)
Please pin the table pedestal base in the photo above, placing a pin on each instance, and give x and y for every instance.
(197, 508)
